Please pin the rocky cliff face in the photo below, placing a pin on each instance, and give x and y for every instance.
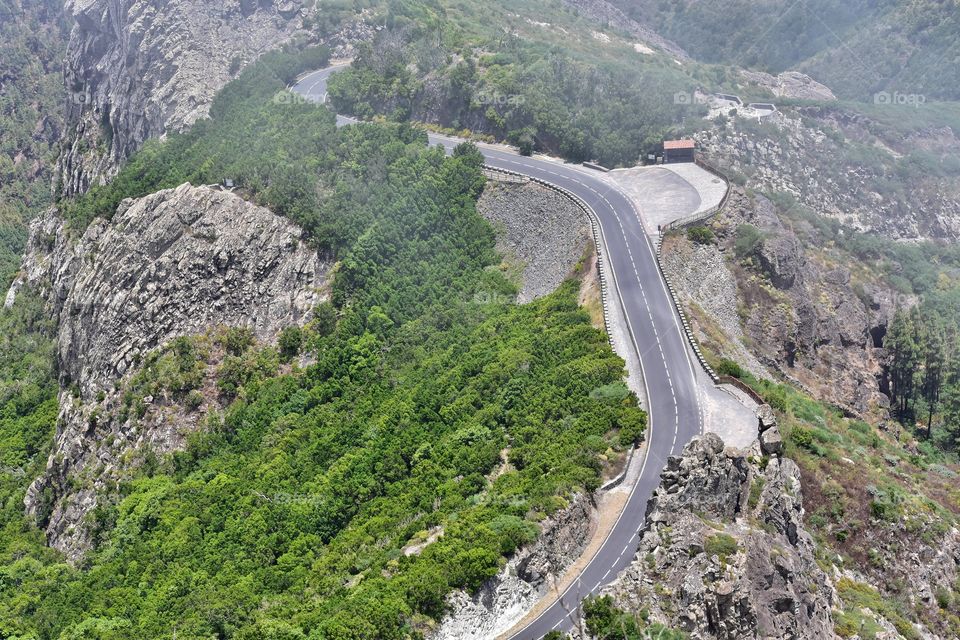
(723, 551)
(607, 14)
(137, 69)
(177, 262)
(799, 314)
(174, 263)
(33, 37)
(846, 166)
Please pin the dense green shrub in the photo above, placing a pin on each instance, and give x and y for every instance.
(290, 342)
(802, 437)
(748, 240)
(700, 235)
(722, 545)
(727, 367)
(605, 622)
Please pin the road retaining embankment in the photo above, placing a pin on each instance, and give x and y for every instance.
(681, 224)
(513, 176)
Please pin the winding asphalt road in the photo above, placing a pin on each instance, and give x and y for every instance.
(674, 407)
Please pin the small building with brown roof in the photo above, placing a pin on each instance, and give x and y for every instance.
(678, 151)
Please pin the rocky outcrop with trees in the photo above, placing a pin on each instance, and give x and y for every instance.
(33, 37)
(724, 552)
(136, 70)
(788, 308)
(890, 173)
(527, 577)
(176, 263)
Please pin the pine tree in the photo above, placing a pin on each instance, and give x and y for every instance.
(902, 342)
(932, 346)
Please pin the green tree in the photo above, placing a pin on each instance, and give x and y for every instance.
(934, 354)
(290, 342)
(901, 341)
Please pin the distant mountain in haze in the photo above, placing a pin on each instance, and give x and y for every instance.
(857, 47)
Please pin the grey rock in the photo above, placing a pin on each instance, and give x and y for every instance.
(177, 262)
(701, 275)
(174, 263)
(769, 587)
(791, 84)
(690, 486)
(771, 442)
(781, 258)
(607, 13)
(814, 326)
(807, 158)
(766, 418)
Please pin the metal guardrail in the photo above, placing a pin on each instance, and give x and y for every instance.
(688, 332)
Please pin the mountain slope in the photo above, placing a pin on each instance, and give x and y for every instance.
(390, 451)
(32, 42)
(857, 48)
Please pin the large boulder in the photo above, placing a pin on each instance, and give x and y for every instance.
(781, 258)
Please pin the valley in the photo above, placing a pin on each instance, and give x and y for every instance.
(382, 320)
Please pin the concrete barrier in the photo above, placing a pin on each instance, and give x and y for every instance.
(743, 386)
(598, 167)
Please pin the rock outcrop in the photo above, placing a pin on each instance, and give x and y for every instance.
(790, 84)
(816, 155)
(723, 551)
(137, 69)
(799, 314)
(527, 576)
(174, 263)
(540, 230)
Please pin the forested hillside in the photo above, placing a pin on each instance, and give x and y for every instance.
(925, 366)
(32, 41)
(561, 87)
(409, 407)
(857, 48)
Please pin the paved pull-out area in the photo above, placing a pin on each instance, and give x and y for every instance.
(661, 195)
(665, 193)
